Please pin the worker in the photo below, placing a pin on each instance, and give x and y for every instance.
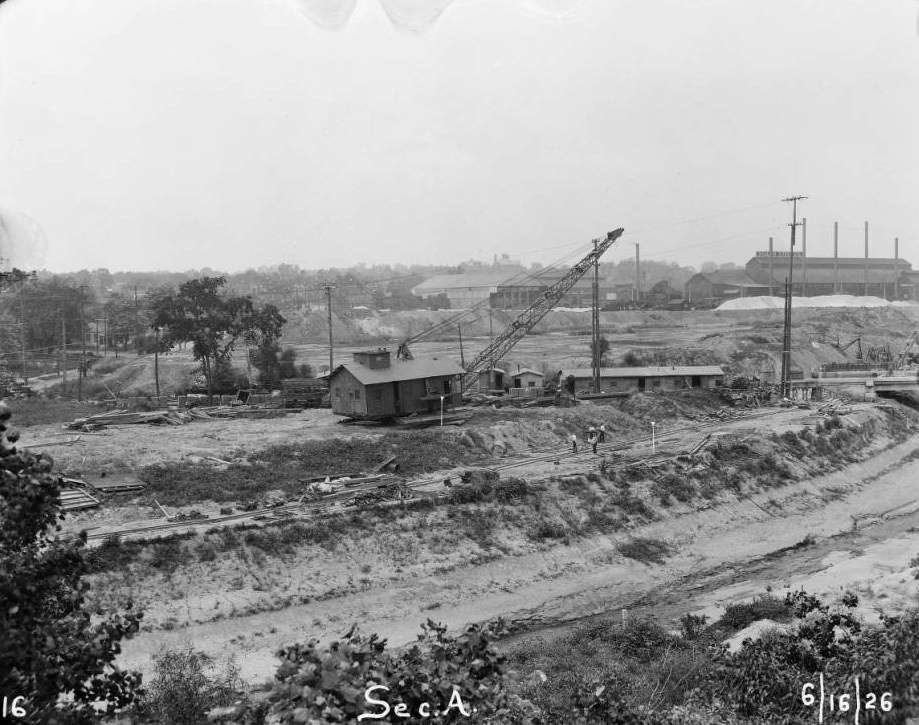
(603, 432)
(591, 432)
(593, 441)
(574, 443)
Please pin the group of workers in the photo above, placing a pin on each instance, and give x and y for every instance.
(594, 436)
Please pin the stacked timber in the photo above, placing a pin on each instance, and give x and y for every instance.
(74, 498)
(174, 417)
(124, 417)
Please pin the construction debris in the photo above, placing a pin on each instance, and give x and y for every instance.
(75, 498)
(114, 483)
(101, 420)
(46, 444)
(174, 417)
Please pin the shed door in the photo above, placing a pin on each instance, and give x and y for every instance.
(395, 396)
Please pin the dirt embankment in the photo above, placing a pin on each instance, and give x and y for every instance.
(540, 552)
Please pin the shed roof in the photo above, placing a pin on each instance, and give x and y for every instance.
(417, 369)
(649, 372)
(736, 277)
(524, 371)
(479, 279)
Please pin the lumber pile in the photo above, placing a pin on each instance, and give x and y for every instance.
(174, 417)
(124, 417)
(75, 498)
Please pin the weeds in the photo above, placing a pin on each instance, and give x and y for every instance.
(647, 551)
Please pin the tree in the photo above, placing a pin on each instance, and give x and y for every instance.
(51, 653)
(200, 313)
(603, 345)
(120, 317)
(275, 365)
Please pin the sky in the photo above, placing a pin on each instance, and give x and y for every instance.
(234, 134)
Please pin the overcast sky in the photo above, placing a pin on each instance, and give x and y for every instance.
(178, 134)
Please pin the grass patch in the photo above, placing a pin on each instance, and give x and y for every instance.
(43, 411)
(645, 550)
(740, 615)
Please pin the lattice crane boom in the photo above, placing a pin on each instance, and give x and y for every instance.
(531, 316)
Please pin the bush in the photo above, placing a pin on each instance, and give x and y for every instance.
(739, 615)
(328, 684)
(645, 550)
(187, 684)
(52, 653)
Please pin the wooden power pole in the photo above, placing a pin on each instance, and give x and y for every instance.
(786, 339)
(595, 321)
(328, 299)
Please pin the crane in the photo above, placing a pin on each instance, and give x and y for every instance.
(858, 350)
(531, 316)
(904, 355)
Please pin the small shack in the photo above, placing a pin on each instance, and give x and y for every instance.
(374, 386)
(491, 380)
(526, 379)
(648, 379)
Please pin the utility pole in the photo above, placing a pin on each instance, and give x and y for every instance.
(786, 341)
(156, 362)
(491, 333)
(136, 331)
(595, 321)
(459, 329)
(22, 331)
(82, 370)
(328, 298)
(63, 353)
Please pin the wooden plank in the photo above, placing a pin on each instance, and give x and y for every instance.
(161, 508)
(384, 464)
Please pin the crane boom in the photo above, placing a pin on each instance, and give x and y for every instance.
(904, 354)
(531, 316)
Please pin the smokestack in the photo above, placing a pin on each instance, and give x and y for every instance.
(866, 259)
(835, 257)
(771, 267)
(637, 275)
(896, 268)
(804, 257)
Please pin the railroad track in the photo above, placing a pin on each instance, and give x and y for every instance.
(340, 499)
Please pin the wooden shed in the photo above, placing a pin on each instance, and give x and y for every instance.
(374, 386)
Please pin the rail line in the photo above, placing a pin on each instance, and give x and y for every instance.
(302, 509)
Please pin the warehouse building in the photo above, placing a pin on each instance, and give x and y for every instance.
(375, 386)
(710, 289)
(813, 276)
(469, 288)
(648, 379)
